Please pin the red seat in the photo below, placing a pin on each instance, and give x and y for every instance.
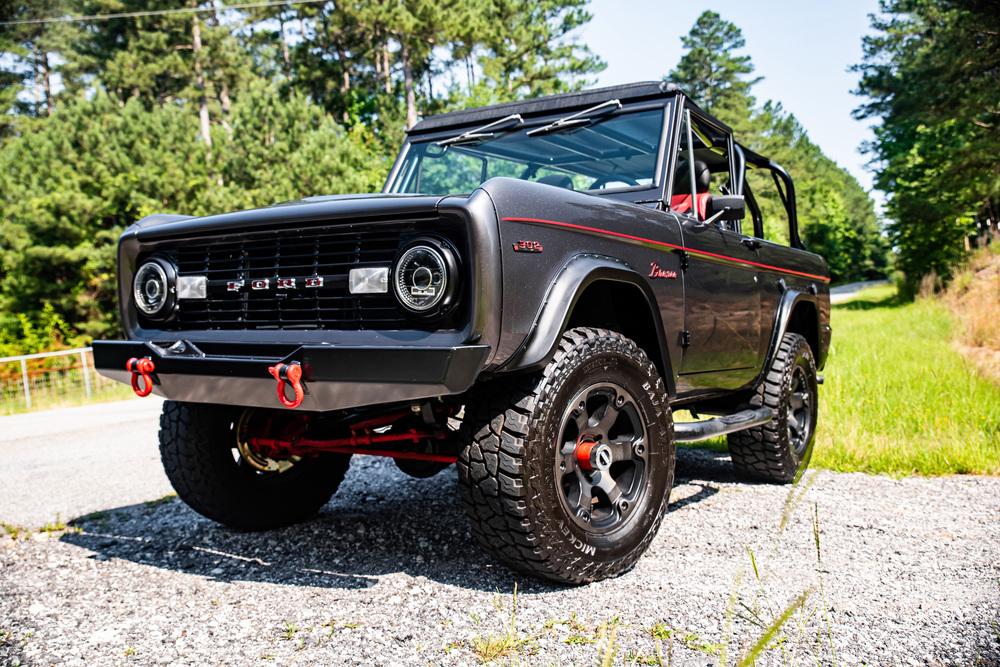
(682, 203)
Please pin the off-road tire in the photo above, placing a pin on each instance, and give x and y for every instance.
(766, 453)
(196, 443)
(507, 470)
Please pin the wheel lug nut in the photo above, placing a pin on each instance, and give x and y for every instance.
(639, 449)
(620, 401)
(623, 506)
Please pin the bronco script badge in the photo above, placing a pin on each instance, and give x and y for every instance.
(656, 272)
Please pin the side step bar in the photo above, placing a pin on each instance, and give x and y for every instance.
(711, 428)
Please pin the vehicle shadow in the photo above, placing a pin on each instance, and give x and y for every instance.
(380, 522)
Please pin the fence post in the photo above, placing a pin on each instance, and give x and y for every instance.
(24, 378)
(86, 373)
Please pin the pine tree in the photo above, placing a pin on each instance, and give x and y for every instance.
(712, 73)
(836, 216)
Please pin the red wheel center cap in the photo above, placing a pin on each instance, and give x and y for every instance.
(592, 455)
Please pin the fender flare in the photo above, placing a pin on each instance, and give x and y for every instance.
(789, 300)
(553, 315)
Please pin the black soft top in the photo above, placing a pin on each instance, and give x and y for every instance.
(629, 92)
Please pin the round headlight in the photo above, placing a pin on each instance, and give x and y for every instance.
(424, 276)
(153, 289)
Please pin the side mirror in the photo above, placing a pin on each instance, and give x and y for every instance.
(727, 207)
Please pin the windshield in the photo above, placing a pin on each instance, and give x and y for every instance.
(607, 153)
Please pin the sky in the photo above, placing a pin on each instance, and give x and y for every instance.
(802, 48)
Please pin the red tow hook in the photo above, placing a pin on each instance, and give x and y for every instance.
(292, 374)
(143, 368)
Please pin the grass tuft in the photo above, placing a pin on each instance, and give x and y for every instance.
(764, 641)
(509, 644)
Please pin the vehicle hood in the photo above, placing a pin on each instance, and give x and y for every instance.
(329, 209)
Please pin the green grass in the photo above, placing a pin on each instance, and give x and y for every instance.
(898, 398)
(59, 397)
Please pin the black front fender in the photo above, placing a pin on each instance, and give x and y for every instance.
(556, 309)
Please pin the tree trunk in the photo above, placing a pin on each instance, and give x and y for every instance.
(411, 98)
(285, 58)
(35, 89)
(47, 84)
(224, 100)
(386, 71)
(199, 82)
(345, 80)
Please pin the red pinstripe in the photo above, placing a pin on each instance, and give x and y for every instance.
(663, 244)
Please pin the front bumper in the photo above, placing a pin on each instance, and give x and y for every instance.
(334, 377)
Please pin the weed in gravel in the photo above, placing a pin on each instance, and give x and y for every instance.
(507, 645)
(170, 497)
(785, 627)
(14, 532)
(633, 657)
(763, 642)
(130, 651)
(661, 631)
(333, 625)
(611, 648)
(289, 630)
(58, 526)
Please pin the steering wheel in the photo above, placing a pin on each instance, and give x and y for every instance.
(604, 180)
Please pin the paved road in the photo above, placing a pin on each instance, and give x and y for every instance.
(903, 572)
(72, 461)
(842, 293)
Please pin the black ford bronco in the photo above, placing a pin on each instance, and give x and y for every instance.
(539, 285)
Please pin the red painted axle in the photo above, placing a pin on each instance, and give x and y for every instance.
(356, 443)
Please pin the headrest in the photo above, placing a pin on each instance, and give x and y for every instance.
(682, 177)
(558, 180)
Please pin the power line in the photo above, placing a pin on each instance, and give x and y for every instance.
(158, 12)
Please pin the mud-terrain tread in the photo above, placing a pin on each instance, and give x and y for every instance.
(194, 444)
(499, 416)
(763, 453)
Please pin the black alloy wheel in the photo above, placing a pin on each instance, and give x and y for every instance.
(602, 462)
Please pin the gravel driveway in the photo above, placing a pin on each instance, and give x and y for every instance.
(904, 572)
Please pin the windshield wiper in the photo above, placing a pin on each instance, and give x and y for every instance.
(483, 133)
(577, 119)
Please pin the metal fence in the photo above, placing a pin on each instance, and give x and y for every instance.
(50, 379)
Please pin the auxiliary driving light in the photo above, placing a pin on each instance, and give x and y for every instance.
(192, 287)
(369, 280)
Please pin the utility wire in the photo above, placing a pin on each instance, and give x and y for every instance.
(159, 12)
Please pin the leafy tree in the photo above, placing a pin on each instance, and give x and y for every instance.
(223, 108)
(96, 167)
(930, 75)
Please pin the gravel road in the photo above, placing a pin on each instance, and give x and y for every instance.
(903, 572)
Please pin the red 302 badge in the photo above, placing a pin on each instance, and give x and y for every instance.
(527, 246)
